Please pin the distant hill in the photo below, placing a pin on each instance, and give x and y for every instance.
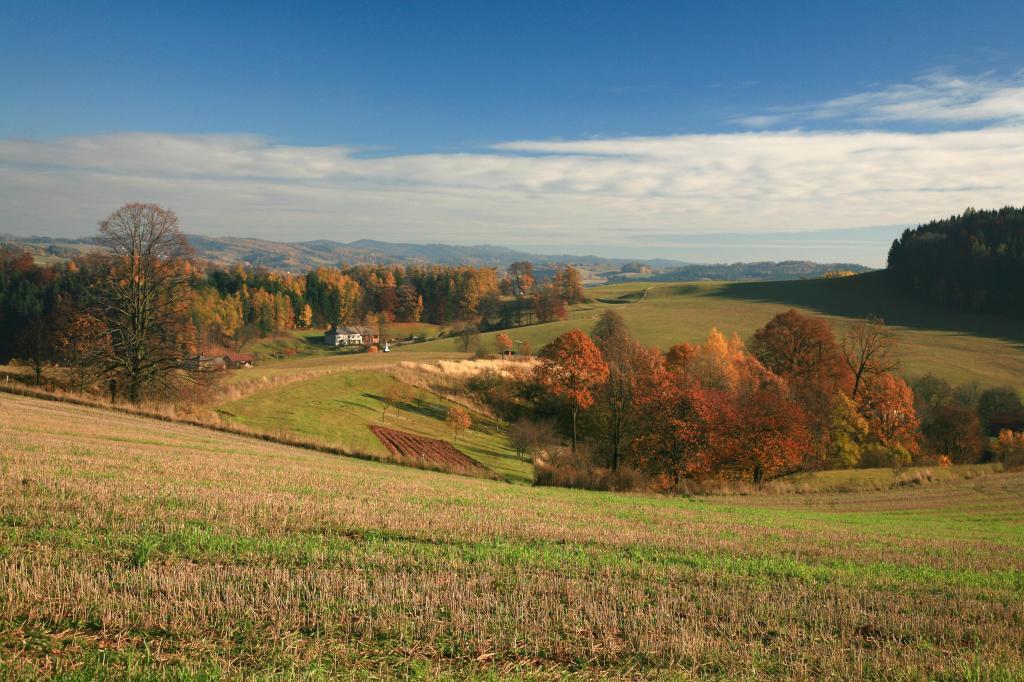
(304, 256)
(973, 261)
(740, 272)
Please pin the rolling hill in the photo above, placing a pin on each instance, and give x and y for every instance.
(341, 406)
(146, 549)
(959, 346)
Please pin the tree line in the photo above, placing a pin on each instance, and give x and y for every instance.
(793, 398)
(129, 317)
(973, 261)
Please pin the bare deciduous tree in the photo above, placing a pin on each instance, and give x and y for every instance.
(144, 298)
(529, 437)
(868, 347)
(396, 395)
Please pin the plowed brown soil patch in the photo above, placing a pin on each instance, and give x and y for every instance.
(423, 449)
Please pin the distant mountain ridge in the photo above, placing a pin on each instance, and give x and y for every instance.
(302, 256)
(306, 255)
(756, 271)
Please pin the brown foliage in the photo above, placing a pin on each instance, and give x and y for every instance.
(144, 299)
(503, 342)
(529, 437)
(954, 431)
(458, 419)
(716, 411)
(571, 367)
(887, 402)
(549, 304)
(802, 350)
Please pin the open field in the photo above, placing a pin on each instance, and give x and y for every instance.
(341, 406)
(317, 363)
(406, 445)
(955, 345)
(130, 546)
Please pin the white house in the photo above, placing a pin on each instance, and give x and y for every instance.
(350, 336)
(343, 336)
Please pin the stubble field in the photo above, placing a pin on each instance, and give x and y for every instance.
(142, 548)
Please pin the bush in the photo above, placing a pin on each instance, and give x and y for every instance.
(878, 455)
(1010, 449)
(485, 381)
(560, 467)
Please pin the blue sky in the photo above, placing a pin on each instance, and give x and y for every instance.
(583, 126)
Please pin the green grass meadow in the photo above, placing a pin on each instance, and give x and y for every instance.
(340, 407)
(957, 346)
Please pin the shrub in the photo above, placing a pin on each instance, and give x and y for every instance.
(1010, 449)
(563, 468)
(878, 455)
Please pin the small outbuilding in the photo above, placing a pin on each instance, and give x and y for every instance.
(239, 360)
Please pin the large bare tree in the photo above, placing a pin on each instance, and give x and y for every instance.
(143, 297)
(868, 348)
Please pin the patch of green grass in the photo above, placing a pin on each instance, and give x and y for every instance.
(955, 345)
(340, 408)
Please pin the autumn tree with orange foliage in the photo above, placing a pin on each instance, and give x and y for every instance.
(504, 343)
(571, 367)
(569, 283)
(887, 403)
(757, 431)
(84, 344)
(672, 426)
(458, 419)
(755, 428)
(520, 280)
(549, 304)
(802, 351)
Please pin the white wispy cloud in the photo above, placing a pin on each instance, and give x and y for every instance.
(595, 191)
(935, 98)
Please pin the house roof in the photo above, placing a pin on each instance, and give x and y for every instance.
(999, 425)
(363, 331)
(239, 357)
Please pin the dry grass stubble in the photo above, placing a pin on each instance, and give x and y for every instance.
(172, 548)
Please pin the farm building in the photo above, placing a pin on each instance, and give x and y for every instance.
(350, 336)
(214, 363)
(999, 425)
(239, 360)
(206, 363)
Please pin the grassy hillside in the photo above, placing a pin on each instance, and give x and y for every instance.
(340, 407)
(958, 346)
(134, 547)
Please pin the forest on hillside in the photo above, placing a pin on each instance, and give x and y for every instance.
(142, 307)
(973, 261)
